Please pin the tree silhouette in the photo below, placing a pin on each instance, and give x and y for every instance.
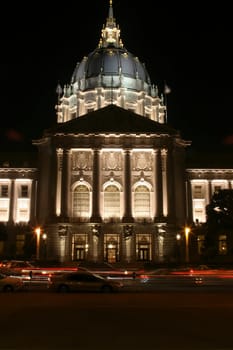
(219, 214)
(220, 210)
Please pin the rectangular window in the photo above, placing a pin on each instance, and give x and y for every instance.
(23, 210)
(4, 191)
(199, 215)
(111, 204)
(24, 191)
(142, 204)
(4, 214)
(198, 193)
(81, 205)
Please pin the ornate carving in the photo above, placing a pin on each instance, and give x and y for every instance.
(142, 161)
(111, 161)
(81, 160)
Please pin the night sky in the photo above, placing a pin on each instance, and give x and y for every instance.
(184, 44)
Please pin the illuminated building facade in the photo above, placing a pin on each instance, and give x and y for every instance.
(111, 183)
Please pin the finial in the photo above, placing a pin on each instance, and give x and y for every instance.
(110, 13)
(110, 32)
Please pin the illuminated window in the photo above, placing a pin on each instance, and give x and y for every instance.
(4, 214)
(111, 202)
(199, 213)
(142, 202)
(23, 210)
(4, 202)
(81, 201)
(222, 244)
(198, 192)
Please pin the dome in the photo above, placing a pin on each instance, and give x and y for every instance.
(111, 67)
(109, 74)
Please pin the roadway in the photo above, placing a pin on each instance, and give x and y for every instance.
(191, 320)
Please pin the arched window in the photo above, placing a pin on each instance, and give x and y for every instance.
(81, 201)
(142, 202)
(111, 202)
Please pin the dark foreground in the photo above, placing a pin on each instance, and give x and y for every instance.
(127, 321)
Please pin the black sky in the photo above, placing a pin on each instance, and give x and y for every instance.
(187, 44)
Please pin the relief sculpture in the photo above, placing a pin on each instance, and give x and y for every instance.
(142, 161)
(112, 161)
(81, 160)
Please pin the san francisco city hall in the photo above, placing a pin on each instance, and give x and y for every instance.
(111, 181)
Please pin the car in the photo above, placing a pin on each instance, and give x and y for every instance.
(104, 269)
(83, 281)
(15, 266)
(10, 283)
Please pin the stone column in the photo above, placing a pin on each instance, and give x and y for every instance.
(53, 184)
(164, 181)
(127, 217)
(65, 190)
(12, 202)
(209, 191)
(158, 184)
(57, 203)
(171, 210)
(189, 201)
(33, 201)
(95, 217)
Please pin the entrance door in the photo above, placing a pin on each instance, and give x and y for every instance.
(143, 253)
(80, 253)
(111, 254)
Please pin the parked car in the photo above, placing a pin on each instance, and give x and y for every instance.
(10, 283)
(83, 281)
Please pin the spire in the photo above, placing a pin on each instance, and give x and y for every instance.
(110, 35)
(110, 12)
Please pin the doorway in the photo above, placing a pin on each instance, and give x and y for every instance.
(143, 252)
(111, 253)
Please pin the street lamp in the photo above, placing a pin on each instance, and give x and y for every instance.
(44, 246)
(38, 232)
(178, 250)
(187, 231)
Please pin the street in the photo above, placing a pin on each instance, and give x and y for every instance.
(127, 321)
